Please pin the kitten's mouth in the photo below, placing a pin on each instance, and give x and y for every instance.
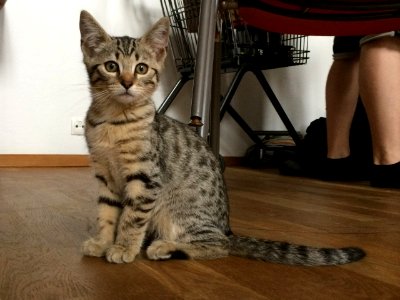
(125, 98)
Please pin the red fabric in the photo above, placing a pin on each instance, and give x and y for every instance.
(300, 6)
(277, 23)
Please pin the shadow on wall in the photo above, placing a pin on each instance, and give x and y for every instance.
(2, 31)
(142, 12)
(133, 18)
(146, 13)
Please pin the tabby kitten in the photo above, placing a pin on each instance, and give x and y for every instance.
(160, 186)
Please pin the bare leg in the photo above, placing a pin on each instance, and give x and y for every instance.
(380, 91)
(341, 99)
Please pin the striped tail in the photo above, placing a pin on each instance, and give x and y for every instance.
(285, 253)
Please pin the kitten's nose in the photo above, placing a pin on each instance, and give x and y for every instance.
(126, 80)
(126, 83)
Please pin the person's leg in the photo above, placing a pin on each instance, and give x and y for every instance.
(341, 100)
(379, 81)
(342, 93)
(380, 91)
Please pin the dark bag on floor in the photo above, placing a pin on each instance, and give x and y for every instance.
(313, 149)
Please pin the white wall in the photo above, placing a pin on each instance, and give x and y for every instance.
(43, 82)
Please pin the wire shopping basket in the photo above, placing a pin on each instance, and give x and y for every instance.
(240, 43)
(243, 49)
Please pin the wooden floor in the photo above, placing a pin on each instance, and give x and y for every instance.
(45, 214)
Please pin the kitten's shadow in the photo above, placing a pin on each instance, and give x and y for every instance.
(146, 14)
(2, 35)
(141, 13)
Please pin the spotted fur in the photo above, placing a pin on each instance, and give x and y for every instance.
(160, 186)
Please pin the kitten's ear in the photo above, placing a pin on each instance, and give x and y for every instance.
(157, 38)
(93, 36)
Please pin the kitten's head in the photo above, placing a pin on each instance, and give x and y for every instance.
(123, 69)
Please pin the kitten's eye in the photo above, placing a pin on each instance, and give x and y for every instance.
(141, 69)
(111, 66)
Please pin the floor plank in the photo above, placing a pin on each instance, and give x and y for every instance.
(46, 213)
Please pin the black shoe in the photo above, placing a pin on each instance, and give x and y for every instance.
(386, 176)
(341, 169)
(291, 167)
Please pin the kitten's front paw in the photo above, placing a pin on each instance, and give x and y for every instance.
(160, 250)
(119, 254)
(95, 247)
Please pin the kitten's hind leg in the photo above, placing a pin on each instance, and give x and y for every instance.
(161, 249)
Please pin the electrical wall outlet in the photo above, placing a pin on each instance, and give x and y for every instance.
(77, 126)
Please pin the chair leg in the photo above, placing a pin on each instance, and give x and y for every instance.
(202, 81)
(246, 128)
(172, 95)
(275, 102)
(226, 107)
(232, 90)
(215, 100)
